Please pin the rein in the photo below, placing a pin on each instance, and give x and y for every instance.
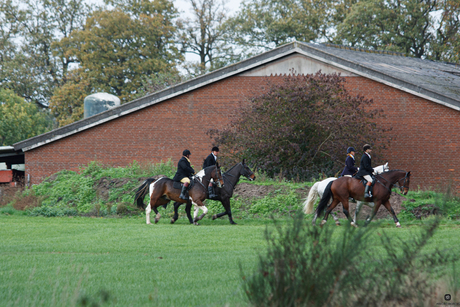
(391, 184)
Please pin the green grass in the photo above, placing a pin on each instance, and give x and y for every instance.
(60, 261)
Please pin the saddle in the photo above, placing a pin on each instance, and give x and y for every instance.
(364, 181)
(178, 185)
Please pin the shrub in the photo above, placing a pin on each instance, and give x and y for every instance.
(311, 266)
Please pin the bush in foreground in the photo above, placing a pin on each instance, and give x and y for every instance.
(312, 266)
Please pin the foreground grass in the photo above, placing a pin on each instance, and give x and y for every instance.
(63, 261)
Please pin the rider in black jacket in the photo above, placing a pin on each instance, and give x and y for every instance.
(209, 161)
(365, 169)
(184, 172)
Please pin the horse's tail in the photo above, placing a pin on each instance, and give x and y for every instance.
(142, 191)
(327, 194)
(311, 198)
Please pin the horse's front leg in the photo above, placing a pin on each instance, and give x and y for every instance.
(392, 212)
(226, 203)
(188, 210)
(359, 204)
(203, 208)
(374, 212)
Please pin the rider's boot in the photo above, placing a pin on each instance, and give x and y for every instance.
(367, 192)
(184, 192)
(211, 192)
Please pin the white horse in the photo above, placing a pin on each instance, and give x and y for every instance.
(317, 190)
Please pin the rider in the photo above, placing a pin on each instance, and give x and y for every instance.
(366, 170)
(184, 171)
(350, 168)
(210, 161)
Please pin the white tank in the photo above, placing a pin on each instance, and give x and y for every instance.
(99, 102)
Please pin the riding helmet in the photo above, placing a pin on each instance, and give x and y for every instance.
(350, 149)
(186, 152)
(366, 147)
(215, 148)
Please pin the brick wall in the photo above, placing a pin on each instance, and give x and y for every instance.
(421, 133)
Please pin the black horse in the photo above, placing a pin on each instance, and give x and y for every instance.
(224, 193)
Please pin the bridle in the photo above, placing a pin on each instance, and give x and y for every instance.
(401, 188)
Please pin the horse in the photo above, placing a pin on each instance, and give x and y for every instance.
(343, 188)
(224, 193)
(162, 191)
(317, 191)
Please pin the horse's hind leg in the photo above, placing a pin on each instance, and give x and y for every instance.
(176, 212)
(157, 216)
(328, 211)
(336, 219)
(392, 212)
(147, 214)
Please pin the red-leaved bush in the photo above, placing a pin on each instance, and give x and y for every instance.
(300, 127)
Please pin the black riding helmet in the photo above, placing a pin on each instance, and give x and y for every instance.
(350, 149)
(366, 147)
(186, 152)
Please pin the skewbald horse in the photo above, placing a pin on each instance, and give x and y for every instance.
(343, 188)
(162, 191)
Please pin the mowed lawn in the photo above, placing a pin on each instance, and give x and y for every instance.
(57, 261)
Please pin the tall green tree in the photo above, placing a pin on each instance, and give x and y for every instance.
(19, 119)
(301, 126)
(33, 60)
(115, 51)
(424, 29)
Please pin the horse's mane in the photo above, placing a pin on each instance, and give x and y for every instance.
(232, 168)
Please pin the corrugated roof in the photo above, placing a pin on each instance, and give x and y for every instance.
(435, 81)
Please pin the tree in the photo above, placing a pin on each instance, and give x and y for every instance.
(263, 24)
(38, 64)
(301, 126)
(116, 50)
(20, 120)
(203, 35)
(419, 28)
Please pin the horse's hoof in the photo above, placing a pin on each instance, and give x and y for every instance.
(173, 221)
(354, 225)
(156, 221)
(322, 223)
(195, 220)
(149, 223)
(337, 223)
(233, 223)
(398, 225)
(196, 224)
(214, 217)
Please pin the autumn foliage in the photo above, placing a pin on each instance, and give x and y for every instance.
(301, 127)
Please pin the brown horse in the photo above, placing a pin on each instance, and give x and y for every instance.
(162, 191)
(343, 188)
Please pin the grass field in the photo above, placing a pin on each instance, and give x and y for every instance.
(76, 261)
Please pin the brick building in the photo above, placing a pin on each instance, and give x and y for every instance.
(421, 99)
